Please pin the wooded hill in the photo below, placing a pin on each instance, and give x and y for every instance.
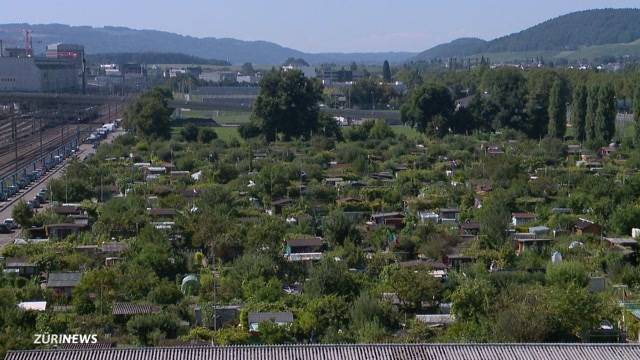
(560, 36)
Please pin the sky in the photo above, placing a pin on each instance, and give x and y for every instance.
(310, 26)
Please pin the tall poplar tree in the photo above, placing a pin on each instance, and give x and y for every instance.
(386, 71)
(590, 118)
(557, 110)
(605, 115)
(579, 112)
(636, 115)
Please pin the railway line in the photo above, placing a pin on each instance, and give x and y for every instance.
(30, 150)
(36, 139)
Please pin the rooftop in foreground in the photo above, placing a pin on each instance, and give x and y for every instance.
(349, 352)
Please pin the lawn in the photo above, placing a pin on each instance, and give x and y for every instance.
(220, 116)
(409, 132)
(228, 133)
(224, 133)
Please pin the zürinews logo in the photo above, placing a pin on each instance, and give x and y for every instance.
(60, 339)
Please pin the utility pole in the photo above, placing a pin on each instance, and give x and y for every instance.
(41, 150)
(84, 74)
(14, 131)
(215, 305)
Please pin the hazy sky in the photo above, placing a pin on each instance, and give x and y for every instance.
(313, 26)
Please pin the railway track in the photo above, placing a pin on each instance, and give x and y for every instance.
(28, 154)
(29, 137)
(29, 150)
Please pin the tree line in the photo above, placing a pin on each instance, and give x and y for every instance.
(594, 114)
(535, 103)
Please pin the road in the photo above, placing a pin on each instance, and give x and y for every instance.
(6, 208)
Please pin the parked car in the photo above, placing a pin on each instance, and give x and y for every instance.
(12, 190)
(4, 229)
(10, 223)
(36, 203)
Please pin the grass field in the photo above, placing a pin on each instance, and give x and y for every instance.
(222, 117)
(224, 133)
(228, 133)
(409, 132)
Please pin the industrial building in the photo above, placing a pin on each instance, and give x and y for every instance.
(38, 75)
(59, 71)
(72, 52)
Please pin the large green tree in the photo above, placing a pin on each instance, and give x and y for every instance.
(494, 218)
(539, 85)
(506, 90)
(429, 109)
(22, 214)
(370, 93)
(288, 104)
(413, 287)
(150, 115)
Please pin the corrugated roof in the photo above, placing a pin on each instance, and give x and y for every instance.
(114, 247)
(349, 352)
(65, 226)
(63, 279)
(163, 212)
(388, 215)
(434, 319)
(523, 215)
(305, 241)
(67, 210)
(134, 309)
(278, 317)
(19, 262)
(584, 223)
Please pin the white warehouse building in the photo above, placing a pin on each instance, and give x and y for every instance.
(28, 74)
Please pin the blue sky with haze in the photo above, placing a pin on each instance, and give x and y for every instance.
(313, 26)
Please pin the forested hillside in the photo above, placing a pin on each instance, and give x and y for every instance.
(152, 58)
(567, 32)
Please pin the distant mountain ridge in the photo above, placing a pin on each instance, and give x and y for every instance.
(566, 33)
(111, 39)
(151, 58)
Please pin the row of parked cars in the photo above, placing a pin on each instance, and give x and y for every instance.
(31, 176)
(8, 225)
(102, 132)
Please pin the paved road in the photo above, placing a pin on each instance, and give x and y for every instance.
(6, 208)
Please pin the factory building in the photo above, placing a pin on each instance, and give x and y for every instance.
(71, 52)
(33, 74)
(59, 71)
